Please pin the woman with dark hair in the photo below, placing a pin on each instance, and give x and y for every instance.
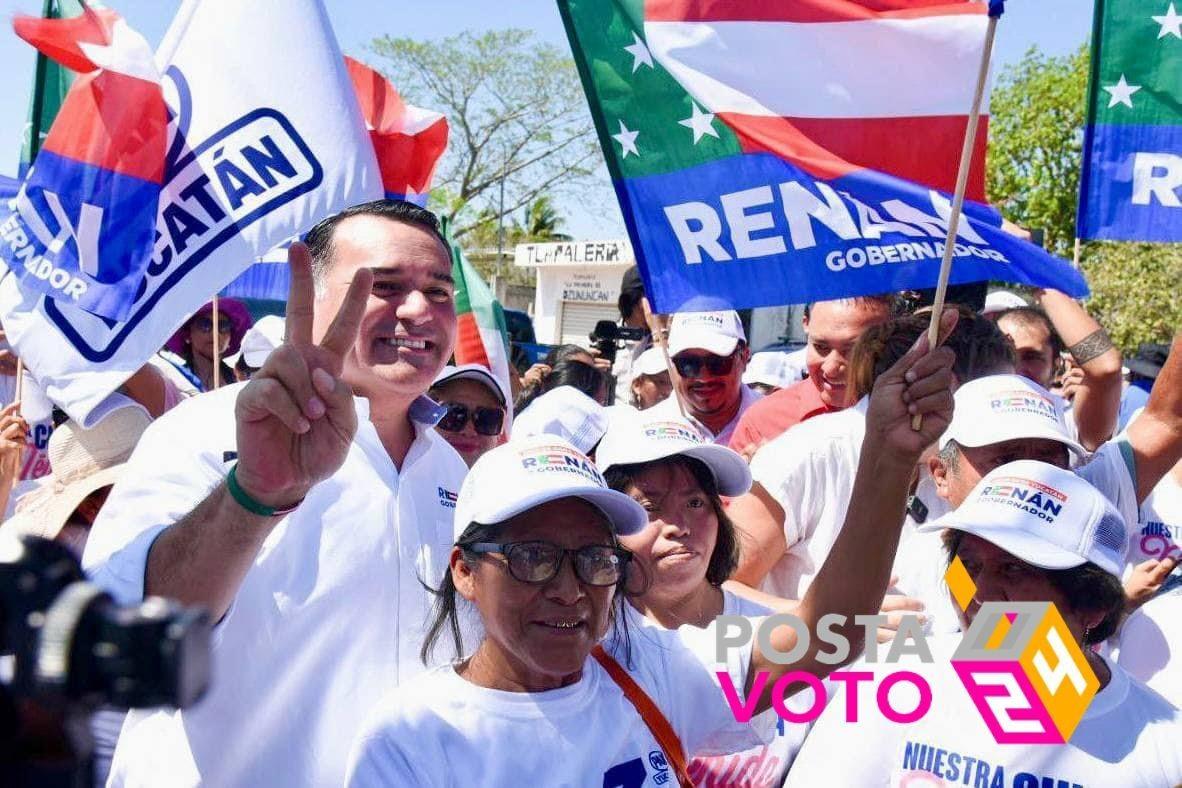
(689, 549)
(559, 689)
(1029, 534)
(581, 375)
(193, 343)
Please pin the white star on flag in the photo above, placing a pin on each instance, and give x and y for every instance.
(1121, 93)
(627, 140)
(639, 53)
(702, 123)
(1171, 23)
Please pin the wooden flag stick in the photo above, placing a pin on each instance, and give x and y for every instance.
(1075, 256)
(20, 379)
(217, 341)
(658, 327)
(962, 177)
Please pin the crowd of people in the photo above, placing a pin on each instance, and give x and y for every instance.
(424, 575)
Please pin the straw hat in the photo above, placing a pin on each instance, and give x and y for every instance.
(83, 461)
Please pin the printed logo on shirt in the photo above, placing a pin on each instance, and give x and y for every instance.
(1024, 402)
(1022, 668)
(1035, 498)
(928, 766)
(559, 459)
(671, 430)
(447, 498)
(1159, 540)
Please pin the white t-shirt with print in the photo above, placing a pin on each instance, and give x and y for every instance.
(442, 730)
(1150, 640)
(1128, 738)
(330, 615)
(1159, 531)
(764, 765)
(37, 411)
(669, 408)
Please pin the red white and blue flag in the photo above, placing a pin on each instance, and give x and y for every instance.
(84, 222)
(263, 137)
(769, 153)
(408, 142)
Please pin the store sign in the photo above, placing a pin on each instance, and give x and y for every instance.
(574, 253)
(591, 287)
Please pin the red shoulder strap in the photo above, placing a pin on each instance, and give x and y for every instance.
(653, 717)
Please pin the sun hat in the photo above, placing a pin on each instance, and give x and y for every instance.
(1044, 515)
(634, 437)
(260, 339)
(83, 461)
(228, 309)
(998, 408)
(528, 472)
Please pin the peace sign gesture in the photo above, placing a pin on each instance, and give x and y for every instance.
(295, 419)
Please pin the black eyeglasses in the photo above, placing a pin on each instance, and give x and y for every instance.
(486, 421)
(538, 562)
(691, 366)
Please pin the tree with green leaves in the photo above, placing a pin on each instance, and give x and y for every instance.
(1037, 116)
(517, 116)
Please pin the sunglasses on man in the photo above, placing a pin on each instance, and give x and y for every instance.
(486, 421)
(690, 365)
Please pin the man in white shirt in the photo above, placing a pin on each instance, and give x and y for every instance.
(304, 509)
(709, 352)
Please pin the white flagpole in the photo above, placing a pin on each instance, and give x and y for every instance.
(962, 177)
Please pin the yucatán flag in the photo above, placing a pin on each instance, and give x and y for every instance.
(408, 142)
(83, 226)
(1130, 183)
(264, 139)
(772, 153)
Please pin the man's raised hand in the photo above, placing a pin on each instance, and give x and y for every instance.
(295, 419)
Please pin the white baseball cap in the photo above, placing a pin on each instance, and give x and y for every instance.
(262, 338)
(775, 368)
(999, 408)
(1044, 515)
(715, 332)
(1001, 300)
(478, 373)
(529, 472)
(637, 436)
(650, 362)
(567, 412)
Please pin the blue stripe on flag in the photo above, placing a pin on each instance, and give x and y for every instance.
(719, 235)
(1129, 188)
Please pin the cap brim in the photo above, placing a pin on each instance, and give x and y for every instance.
(1021, 545)
(48, 520)
(731, 473)
(998, 437)
(625, 515)
(478, 375)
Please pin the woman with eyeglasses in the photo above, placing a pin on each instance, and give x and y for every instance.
(477, 410)
(193, 343)
(559, 690)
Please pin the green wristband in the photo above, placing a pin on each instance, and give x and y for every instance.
(243, 499)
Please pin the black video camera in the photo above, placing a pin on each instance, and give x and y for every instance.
(73, 649)
(607, 338)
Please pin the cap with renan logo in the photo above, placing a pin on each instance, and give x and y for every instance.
(999, 408)
(531, 471)
(715, 332)
(1043, 515)
(632, 437)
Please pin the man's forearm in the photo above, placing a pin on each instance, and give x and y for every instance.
(202, 559)
(1156, 435)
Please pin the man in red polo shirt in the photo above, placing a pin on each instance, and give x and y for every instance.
(832, 328)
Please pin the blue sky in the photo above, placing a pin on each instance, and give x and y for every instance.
(1053, 26)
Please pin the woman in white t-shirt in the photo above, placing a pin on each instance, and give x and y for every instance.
(537, 703)
(1028, 534)
(689, 549)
